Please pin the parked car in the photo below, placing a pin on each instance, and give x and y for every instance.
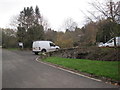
(44, 46)
(111, 43)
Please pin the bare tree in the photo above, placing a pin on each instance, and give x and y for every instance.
(14, 21)
(110, 10)
(44, 23)
(69, 24)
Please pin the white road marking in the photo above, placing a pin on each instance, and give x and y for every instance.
(68, 70)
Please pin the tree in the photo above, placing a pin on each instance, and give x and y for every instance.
(51, 35)
(64, 41)
(44, 23)
(9, 38)
(14, 22)
(30, 27)
(34, 33)
(38, 19)
(69, 24)
(21, 34)
(26, 17)
(107, 30)
(109, 10)
(109, 19)
(89, 33)
(77, 36)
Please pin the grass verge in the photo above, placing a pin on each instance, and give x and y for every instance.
(107, 69)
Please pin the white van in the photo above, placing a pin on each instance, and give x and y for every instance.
(44, 46)
(110, 43)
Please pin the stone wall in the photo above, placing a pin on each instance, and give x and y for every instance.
(93, 53)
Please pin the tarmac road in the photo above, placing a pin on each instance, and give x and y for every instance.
(20, 70)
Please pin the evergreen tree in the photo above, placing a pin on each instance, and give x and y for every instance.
(21, 34)
(37, 16)
(30, 28)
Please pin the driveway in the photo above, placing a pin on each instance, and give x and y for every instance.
(21, 70)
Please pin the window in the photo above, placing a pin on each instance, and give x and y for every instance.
(52, 44)
(110, 41)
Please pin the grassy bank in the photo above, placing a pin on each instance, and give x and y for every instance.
(100, 68)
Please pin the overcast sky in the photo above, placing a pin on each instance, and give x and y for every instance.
(55, 11)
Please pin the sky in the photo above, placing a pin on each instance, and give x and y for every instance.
(55, 11)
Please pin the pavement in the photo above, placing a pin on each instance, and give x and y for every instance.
(21, 70)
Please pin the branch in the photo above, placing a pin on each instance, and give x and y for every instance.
(87, 16)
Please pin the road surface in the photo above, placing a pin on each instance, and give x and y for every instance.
(21, 70)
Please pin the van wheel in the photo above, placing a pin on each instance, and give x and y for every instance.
(57, 49)
(36, 53)
(43, 51)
